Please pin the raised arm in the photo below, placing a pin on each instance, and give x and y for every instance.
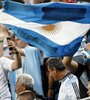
(17, 62)
(21, 51)
(17, 57)
(70, 64)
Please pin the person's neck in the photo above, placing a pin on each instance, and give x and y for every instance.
(62, 74)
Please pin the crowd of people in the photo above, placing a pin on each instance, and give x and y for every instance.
(26, 73)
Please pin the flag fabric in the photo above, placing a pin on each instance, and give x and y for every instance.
(55, 28)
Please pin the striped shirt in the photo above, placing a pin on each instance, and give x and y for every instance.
(5, 66)
(69, 89)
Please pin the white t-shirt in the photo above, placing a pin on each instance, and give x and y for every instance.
(69, 89)
(5, 66)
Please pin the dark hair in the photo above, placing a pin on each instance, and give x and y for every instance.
(55, 62)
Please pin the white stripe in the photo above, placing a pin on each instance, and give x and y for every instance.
(67, 31)
(9, 19)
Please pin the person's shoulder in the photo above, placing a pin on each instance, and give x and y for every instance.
(71, 79)
(3, 58)
(31, 47)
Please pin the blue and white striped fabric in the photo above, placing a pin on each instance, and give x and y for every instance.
(56, 28)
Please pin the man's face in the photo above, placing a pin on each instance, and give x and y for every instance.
(19, 87)
(20, 43)
(52, 72)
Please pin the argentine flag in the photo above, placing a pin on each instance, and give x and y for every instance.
(55, 28)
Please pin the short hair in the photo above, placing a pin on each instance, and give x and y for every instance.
(27, 80)
(55, 62)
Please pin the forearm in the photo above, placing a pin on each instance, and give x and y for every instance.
(50, 82)
(17, 61)
(67, 61)
(70, 64)
(21, 52)
(50, 85)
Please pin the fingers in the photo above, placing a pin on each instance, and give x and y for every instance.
(88, 92)
(50, 93)
(12, 47)
(10, 43)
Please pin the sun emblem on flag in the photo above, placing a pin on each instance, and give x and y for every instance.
(50, 29)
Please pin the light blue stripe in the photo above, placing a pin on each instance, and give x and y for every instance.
(49, 47)
(47, 13)
(12, 81)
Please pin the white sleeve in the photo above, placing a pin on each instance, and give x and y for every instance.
(6, 63)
